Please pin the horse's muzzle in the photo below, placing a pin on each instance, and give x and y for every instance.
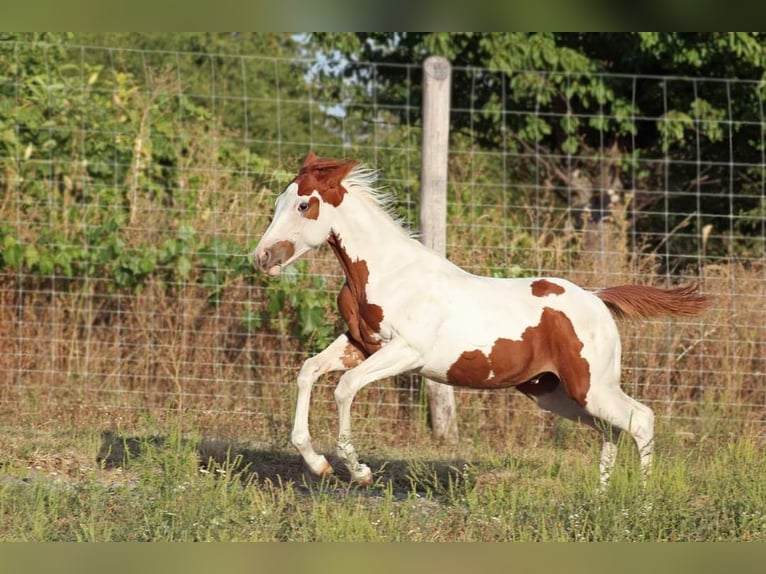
(270, 259)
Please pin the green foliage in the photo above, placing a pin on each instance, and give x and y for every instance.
(751, 223)
(574, 99)
(89, 149)
(100, 152)
(300, 305)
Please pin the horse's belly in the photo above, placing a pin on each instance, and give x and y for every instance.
(483, 369)
(512, 356)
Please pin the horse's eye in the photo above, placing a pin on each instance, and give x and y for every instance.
(303, 206)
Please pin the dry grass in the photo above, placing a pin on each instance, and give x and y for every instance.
(85, 357)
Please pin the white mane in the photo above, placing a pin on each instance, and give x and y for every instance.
(360, 182)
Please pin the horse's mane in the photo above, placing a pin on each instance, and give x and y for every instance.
(360, 182)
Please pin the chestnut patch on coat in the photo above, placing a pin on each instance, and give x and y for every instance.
(313, 211)
(549, 349)
(543, 287)
(324, 176)
(471, 369)
(352, 355)
(363, 318)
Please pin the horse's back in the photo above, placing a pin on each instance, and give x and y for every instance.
(503, 332)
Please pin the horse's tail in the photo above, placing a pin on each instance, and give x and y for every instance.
(639, 301)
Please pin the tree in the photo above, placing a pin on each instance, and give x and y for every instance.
(97, 131)
(600, 114)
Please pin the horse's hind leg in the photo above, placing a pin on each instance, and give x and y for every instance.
(619, 411)
(555, 399)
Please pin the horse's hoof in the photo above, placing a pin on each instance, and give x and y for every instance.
(326, 471)
(363, 476)
(319, 468)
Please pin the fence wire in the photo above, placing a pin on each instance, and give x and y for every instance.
(136, 182)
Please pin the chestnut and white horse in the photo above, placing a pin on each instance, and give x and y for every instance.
(408, 308)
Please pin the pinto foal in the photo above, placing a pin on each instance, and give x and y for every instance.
(408, 308)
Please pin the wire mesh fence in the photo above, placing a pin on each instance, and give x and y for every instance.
(137, 181)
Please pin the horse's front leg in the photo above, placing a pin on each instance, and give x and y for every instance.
(340, 355)
(393, 358)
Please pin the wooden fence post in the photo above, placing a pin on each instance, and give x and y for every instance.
(433, 212)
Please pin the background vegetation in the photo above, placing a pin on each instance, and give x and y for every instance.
(137, 171)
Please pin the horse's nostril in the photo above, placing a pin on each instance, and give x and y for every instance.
(270, 258)
(261, 257)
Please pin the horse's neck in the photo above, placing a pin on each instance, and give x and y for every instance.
(365, 232)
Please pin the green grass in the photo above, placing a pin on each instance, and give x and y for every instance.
(182, 488)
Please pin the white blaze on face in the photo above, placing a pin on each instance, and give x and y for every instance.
(262, 255)
(291, 233)
(280, 227)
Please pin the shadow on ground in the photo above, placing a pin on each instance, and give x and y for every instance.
(281, 466)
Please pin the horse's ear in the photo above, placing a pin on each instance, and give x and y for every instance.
(310, 158)
(343, 169)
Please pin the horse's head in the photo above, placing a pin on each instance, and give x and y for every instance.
(303, 214)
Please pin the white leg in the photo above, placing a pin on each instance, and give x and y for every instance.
(394, 358)
(340, 355)
(608, 458)
(622, 412)
(559, 402)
